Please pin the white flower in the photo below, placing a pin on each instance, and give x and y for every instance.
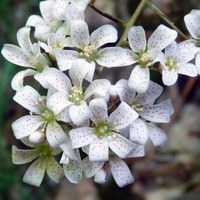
(42, 122)
(88, 47)
(146, 53)
(104, 131)
(45, 162)
(143, 104)
(197, 62)
(175, 61)
(28, 55)
(73, 97)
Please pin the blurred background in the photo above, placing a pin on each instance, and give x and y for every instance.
(168, 173)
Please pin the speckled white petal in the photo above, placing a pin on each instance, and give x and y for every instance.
(20, 156)
(72, 13)
(79, 114)
(55, 134)
(114, 57)
(18, 80)
(15, 55)
(98, 87)
(124, 92)
(81, 4)
(169, 77)
(78, 71)
(120, 145)
(67, 149)
(57, 80)
(34, 20)
(138, 132)
(120, 171)
(91, 168)
(80, 34)
(197, 62)
(100, 176)
(139, 79)
(137, 38)
(81, 136)
(54, 170)
(64, 115)
(103, 35)
(188, 69)
(192, 23)
(190, 44)
(138, 151)
(185, 56)
(42, 32)
(157, 135)
(152, 93)
(89, 76)
(159, 113)
(123, 116)
(59, 9)
(73, 170)
(57, 102)
(98, 109)
(99, 150)
(35, 173)
(65, 58)
(161, 37)
(46, 9)
(28, 97)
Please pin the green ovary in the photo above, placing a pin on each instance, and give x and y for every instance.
(172, 64)
(89, 53)
(103, 128)
(76, 95)
(44, 150)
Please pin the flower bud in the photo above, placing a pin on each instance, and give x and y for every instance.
(37, 137)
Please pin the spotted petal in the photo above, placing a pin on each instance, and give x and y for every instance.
(34, 20)
(169, 77)
(20, 156)
(188, 69)
(138, 151)
(103, 35)
(120, 171)
(35, 173)
(197, 62)
(100, 176)
(46, 9)
(59, 9)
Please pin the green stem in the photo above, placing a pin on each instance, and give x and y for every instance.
(165, 18)
(131, 22)
(116, 20)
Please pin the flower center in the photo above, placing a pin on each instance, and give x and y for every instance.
(48, 115)
(143, 58)
(89, 53)
(76, 95)
(172, 64)
(103, 128)
(137, 107)
(56, 46)
(43, 150)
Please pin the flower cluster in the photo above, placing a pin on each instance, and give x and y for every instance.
(91, 124)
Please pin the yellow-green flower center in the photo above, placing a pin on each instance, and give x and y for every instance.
(89, 53)
(103, 128)
(76, 95)
(143, 58)
(172, 64)
(137, 106)
(43, 150)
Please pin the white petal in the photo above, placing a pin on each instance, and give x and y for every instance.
(161, 37)
(188, 69)
(197, 62)
(64, 115)
(100, 176)
(169, 77)
(81, 5)
(192, 23)
(35, 173)
(159, 113)
(46, 9)
(72, 13)
(80, 34)
(18, 80)
(73, 170)
(98, 150)
(65, 58)
(124, 91)
(98, 109)
(190, 44)
(28, 98)
(139, 79)
(138, 151)
(137, 38)
(157, 135)
(184, 55)
(34, 20)
(98, 87)
(54, 170)
(42, 32)
(114, 57)
(152, 93)
(138, 132)
(57, 102)
(89, 76)
(59, 9)
(81, 136)
(120, 145)
(79, 114)
(64, 159)
(91, 168)
(103, 35)
(123, 116)
(55, 134)
(78, 71)
(120, 171)
(20, 156)
(26, 125)
(67, 149)
(15, 55)
(26, 142)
